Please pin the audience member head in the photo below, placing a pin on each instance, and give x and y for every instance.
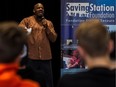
(113, 53)
(12, 40)
(93, 42)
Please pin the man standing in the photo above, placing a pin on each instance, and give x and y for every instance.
(40, 32)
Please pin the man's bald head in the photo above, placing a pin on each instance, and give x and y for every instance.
(38, 9)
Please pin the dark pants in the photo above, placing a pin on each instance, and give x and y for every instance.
(28, 73)
(43, 66)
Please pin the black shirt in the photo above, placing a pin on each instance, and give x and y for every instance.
(96, 77)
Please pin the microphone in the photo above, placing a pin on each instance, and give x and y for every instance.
(44, 22)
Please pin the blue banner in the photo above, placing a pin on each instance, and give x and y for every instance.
(73, 12)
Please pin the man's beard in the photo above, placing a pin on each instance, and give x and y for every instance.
(40, 17)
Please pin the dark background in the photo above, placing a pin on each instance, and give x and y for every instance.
(11, 10)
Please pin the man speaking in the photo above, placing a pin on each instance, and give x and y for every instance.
(40, 31)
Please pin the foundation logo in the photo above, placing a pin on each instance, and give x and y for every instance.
(89, 10)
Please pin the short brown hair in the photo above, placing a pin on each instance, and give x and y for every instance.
(93, 37)
(12, 40)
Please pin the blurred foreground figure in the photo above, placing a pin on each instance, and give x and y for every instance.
(94, 46)
(12, 40)
(113, 53)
